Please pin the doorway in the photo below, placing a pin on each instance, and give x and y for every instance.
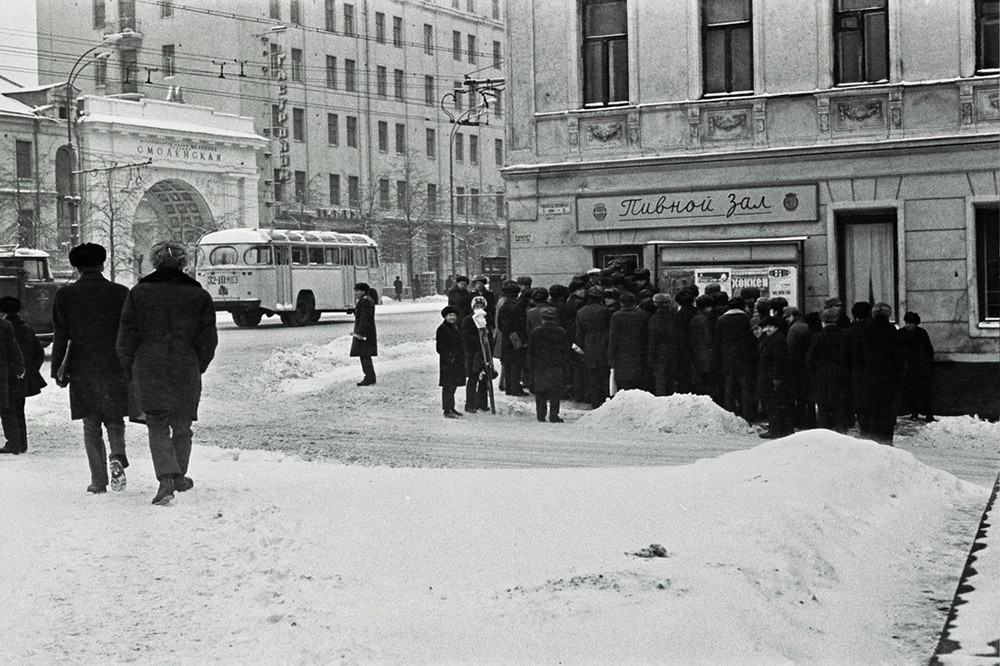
(627, 257)
(867, 257)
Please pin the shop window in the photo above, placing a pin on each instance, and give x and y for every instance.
(605, 52)
(861, 41)
(987, 36)
(626, 257)
(867, 257)
(223, 255)
(727, 46)
(988, 263)
(316, 256)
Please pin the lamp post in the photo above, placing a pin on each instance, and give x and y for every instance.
(72, 199)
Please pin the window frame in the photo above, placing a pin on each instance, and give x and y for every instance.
(331, 72)
(353, 191)
(605, 42)
(382, 81)
(473, 49)
(350, 75)
(428, 39)
(330, 15)
(166, 8)
(380, 27)
(399, 85)
(400, 138)
(333, 129)
(296, 58)
(383, 136)
(981, 214)
(333, 182)
(349, 17)
(456, 45)
(473, 149)
(352, 131)
(727, 28)
(23, 162)
(429, 91)
(861, 15)
(298, 124)
(168, 60)
(295, 12)
(980, 46)
(430, 138)
(397, 32)
(99, 13)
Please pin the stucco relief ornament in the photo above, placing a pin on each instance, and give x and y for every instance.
(993, 99)
(860, 112)
(728, 123)
(605, 133)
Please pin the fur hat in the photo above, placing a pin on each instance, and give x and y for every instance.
(169, 254)
(510, 289)
(11, 305)
(909, 317)
(87, 255)
(704, 301)
(480, 278)
(539, 294)
(550, 314)
(462, 278)
(361, 286)
(558, 290)
(684, 297)
(447, 310)
(478, 302)
(790, 311)
(830, 316)
(737, 303)
(770, 321)
(661, 299)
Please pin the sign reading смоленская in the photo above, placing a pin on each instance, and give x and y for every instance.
(794, 203)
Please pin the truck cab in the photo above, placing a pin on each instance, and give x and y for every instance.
(25, 274)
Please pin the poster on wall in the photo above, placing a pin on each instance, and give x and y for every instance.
(773, 281)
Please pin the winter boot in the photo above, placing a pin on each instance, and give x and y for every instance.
(165, 494)
(117, 475)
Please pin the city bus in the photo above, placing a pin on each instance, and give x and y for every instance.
(297, 275)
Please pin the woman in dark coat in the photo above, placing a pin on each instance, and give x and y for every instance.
(451, 363)
(15, 428)
(826, 363)
(365, 342)
(549, 351)
(166, 341)
(919, 379)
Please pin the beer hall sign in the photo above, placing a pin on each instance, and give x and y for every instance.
(754, 205)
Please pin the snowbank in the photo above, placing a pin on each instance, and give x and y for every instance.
(960, 432)
(679, 413)
(309, 361)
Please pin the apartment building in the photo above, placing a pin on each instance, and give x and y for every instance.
(838, 148)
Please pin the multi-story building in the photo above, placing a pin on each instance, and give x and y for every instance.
(347, 93)
(839, 148)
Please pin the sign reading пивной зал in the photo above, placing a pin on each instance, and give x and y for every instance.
(752, 205)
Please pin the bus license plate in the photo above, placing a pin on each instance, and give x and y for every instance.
(228, 280)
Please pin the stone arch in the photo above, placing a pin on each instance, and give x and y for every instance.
(170, 209)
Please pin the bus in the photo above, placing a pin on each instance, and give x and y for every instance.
(25, 275)
(295, 274)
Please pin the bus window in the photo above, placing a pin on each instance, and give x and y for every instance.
(332, 256)
(298, 255)
(316, 256)
(223, 256)
(35, 268)
(345, 256)
(373, 257)
(199, 258)
(259, 255)
(360, 257)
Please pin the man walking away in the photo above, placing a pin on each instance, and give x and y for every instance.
(829, 375)
(772, 377)
(593, 322)
(549, 351)
(883, 361)
(30, 383)
(704, 366)
(737, 349)
(799, 338)
(85, 317)
(365, 342)
(862, 314)
(166, 342)
(451, 362)
(627, 344)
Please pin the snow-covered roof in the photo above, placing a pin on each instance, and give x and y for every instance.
(12, 107)
(23, 252)
(246, 235)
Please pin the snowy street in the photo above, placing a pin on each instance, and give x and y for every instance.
(428, 546)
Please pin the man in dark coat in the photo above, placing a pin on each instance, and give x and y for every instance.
(451, 361)
(365, 342)
(513, 339)
(476, 368)
(85, 317)
(416, 286)
(549, 350)
(166, 341)
(737, 348)
(704, 367)
(680, 340)
(919, 380)
(862, 315)
(772, 375)
(799, 337)
(575, 300)
(460, 298)
(881, 356)
(627, 344)
(658, 353)
(593, 323)
(29, 383)
(397, 287)
(828, 374)
(11, 372)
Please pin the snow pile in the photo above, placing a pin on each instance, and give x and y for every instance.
(960, 432)
(681, 413)
(436, 298)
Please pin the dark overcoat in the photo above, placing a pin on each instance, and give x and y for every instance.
(735, 343)
(472, 345)
(772, 365)
(10, 358)
(826, 363)
(567, 316)
(34, 356)
(658, 337)
(364, 326)
(510, 319)
(919, 353)
(167, 339)
(87, 313)
(461, 300)
(593, 322)
(702, 345)
(451, 353)
(627, 345)
(549, 352)
(491, 305)
(882, 357)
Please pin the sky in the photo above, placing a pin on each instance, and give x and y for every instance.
(17, 41)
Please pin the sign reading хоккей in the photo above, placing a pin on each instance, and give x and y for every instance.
(752, 205)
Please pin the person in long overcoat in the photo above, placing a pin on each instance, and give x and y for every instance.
(364, 344)
(166, 341)
(397, 287)
(451, 360)
(513, 339)
(680, 340)
(460, 298)
(799, 337)
(11, 372)
(737, 349)
(549, 350)
(85, 318)
(919, 380)
(828, 373)
(627, 344)
(476, 367)
(593, 323)
(772, 375)
(704, 362)
(574, 301)
(658, 355)
(882, 357)
(29, 383)
(861, 314)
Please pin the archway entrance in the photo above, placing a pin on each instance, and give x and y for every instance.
(170, 209)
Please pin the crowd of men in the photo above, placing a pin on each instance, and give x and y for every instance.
(759, 358)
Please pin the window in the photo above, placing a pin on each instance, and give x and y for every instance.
(470, 5)
(501, 213)
(380, 27)
(331, 71)
(353, 191)
(166, 8)
(330, 16)
(431, 143)
(496, 55)
(299, 257)
(275, 9)
(350, 75)
(224, 255)
(101, 72)
(458, 88)
(987, 36)
(432, 199)
(168, 60)
(429, 90)
(498, 103)
(360, 256)
(259, 255)
(297, 65)
(401, 194)
(99, 14)
(335, 189)
(605, 52)
(348, 19)
(299, 124)
(381, 81)
(473, 149)
(400, 138)
(22, 159)
(276, 59)
(472, 49)
(454, 4)
(474, 201)
(496, 9)
(126, 14)
(397, 31)
(383, 193)
(333, 129)
(428, 39)
(383, 136)
(279, 189)
(456, 45)
(130, 70)
(459, 148)
(352, 131)
(861, 40)
(275, 117)
(332, 255)
(295, 12)
(315, 256)
(460, 200)
(988, 263)
(498, 151)
(300, 186)
(398, 89)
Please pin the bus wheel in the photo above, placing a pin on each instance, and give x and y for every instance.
(314, 316)
(247, 318)
(304, 312)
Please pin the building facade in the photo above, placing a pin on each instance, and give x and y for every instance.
(348, 95)
(846, 148)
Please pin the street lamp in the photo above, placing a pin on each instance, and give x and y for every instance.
(72, 199)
